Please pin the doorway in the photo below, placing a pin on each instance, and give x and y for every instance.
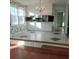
(60, 22)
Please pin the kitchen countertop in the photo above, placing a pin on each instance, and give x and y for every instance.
(41, 37)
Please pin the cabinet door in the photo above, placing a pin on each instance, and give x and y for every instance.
(12, 54)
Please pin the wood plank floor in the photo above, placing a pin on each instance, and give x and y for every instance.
(46, 52)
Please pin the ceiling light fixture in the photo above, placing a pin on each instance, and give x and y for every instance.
(40, 8)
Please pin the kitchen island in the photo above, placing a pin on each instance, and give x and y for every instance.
(39, 38)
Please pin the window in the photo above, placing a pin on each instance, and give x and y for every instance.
(17, 15)
(13, 13)
(21, 15)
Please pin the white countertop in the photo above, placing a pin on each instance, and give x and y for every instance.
(41, 36)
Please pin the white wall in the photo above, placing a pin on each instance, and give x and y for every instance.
(66, 18)
(47, 11)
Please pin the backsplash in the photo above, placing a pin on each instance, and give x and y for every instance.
(17, 28)
(44, 26)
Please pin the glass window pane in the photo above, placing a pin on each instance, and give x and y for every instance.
(13, 10)
(20, 12)
(14, 17)
(21, 15)
(21, 19)
(14, 20)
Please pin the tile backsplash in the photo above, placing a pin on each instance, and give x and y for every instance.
(17, 28)
(44, 26)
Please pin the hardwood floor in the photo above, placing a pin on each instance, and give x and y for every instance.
(46, 52)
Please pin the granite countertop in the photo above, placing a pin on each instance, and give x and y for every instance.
(44, 37)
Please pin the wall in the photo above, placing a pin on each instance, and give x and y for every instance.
(47, 11)
(66, 18)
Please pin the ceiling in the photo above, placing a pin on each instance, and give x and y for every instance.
(35, 2)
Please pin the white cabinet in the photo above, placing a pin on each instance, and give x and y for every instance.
(40, 26)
